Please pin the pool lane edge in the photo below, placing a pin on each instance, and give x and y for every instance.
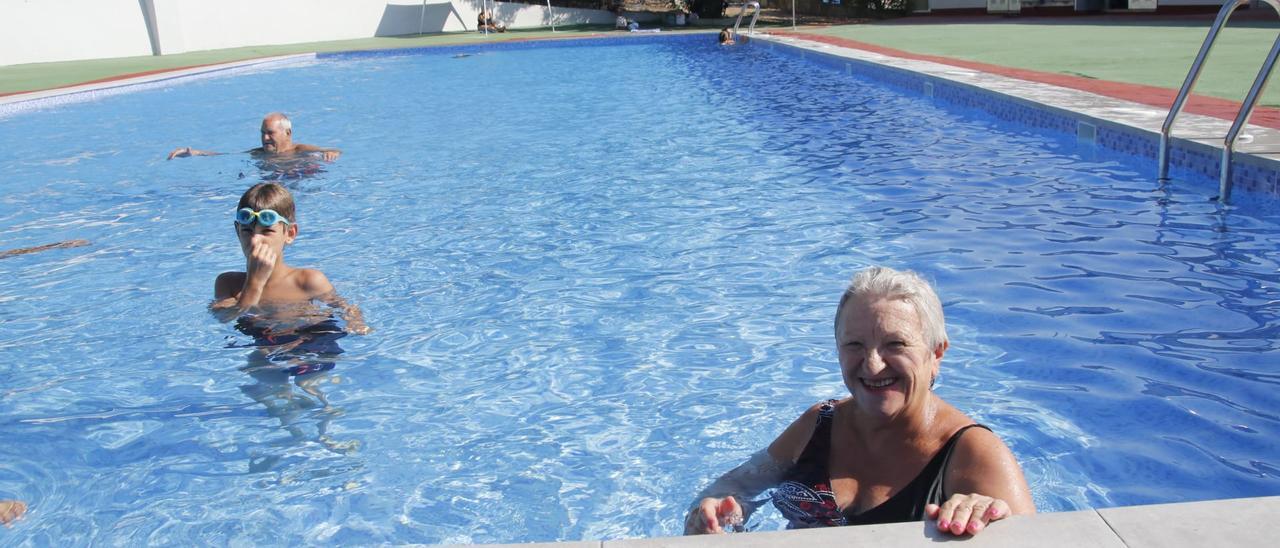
(1227, 522)
(1107, 122)
(19, 103)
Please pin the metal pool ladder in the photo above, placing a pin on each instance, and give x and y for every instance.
(1246, 108)
(751, 28)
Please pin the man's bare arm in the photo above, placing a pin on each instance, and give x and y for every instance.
(183, 152)
(327, 153)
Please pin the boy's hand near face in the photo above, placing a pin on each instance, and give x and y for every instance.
(262, 260)
(259, 265)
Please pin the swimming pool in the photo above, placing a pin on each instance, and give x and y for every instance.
(599, 276)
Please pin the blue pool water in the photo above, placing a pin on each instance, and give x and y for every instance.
(598, 277)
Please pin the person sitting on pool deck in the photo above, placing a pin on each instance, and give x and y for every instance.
(485, 20)
(893, 451)
(265, 223)
(277, 140)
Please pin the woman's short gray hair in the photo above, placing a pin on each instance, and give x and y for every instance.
(886, 283)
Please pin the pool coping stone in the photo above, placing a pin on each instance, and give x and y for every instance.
(1230, 522)
(158, 76)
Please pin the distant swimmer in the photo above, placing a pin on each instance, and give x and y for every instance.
(726, 37)
(25, 250)
(11, 511)
(277, 141)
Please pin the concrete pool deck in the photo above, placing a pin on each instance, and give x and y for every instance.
(17, 79)
(1114, 117)
(1232, 522)
(1154, 51)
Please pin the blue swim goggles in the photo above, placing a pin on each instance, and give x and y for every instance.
(266, 217)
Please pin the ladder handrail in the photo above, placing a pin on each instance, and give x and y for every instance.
(1228, 8)
(751, 28)
(1246, 108)
(1242, 118)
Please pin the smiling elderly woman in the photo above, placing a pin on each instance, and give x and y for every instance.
(891, 452)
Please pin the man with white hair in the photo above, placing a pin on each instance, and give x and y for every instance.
(277, 140)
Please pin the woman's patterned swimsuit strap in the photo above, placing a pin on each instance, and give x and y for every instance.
(806, 500)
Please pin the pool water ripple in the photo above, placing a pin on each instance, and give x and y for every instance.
(598, 277)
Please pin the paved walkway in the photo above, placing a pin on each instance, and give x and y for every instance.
(1139, 93)
(1145, 50)
(1233, 522)
(1150, 52)
(42, 76)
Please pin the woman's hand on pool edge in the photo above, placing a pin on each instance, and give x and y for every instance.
(712, 515)
(967, 514)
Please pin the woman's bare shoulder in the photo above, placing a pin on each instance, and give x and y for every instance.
(982, 463)
(790, 444)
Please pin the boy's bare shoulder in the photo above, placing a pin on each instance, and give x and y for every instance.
(312, 282)
(228, 284)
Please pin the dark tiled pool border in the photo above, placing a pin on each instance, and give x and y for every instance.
(1191, 161)
(621, 39)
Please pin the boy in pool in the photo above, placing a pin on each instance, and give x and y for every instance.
(265, 222)
(275, 304)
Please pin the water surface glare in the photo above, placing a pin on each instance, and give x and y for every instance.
(599, 277)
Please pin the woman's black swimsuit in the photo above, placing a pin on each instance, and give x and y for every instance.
(804, 497)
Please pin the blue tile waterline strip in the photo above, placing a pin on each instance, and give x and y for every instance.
(1194, 162)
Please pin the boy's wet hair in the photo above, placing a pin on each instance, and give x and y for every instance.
(269, 196)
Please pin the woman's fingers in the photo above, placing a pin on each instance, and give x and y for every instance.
(960, 517)
(967, 514)
(729, 513)
(712, 515)
(945, 512)
(999, 510)
(709, 520)
(706, 521)
(978, 516)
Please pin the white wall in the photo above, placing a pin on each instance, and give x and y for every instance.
(195, 25)
(39, 31)
(956, 4)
